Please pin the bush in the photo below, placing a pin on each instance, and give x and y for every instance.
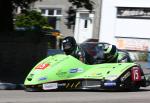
(143, 56)
(30, 20)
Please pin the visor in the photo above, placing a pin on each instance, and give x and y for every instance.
(67, 46)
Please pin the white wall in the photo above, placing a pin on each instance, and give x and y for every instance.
(138, 28)
(107, 21)
(111, 26)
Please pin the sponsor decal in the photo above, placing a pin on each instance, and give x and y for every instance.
(76, 70)
(42, 78)
(42, 66)
(95, 75)
(50, 86)
(110, 84)
(136, 74)
(125, 76)
(73, 85)
(111, 77)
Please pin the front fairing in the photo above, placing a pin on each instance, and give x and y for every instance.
(62, 67)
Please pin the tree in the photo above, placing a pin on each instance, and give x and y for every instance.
(29, 19)
(7, 7)
(71, 17)
(6, 10)
(87, 4)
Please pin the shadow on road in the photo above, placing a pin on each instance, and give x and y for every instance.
(106, 91)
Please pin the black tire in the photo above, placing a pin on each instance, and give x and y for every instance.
(133, 87)
(31, 90)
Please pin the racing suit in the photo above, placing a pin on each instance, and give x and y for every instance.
(122, 57)
(78, 53)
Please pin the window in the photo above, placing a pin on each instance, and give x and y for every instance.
(53, 15)
(86, 23)
(58, 12)
(50, 11)
(43, 11)
(84, 15)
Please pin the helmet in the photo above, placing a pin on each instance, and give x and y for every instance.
(109, 51)
(69, 44)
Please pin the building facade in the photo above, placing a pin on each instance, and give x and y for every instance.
(86, 23)
(126, 23)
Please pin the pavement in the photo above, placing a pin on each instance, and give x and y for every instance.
(11, 86)
(145, 66)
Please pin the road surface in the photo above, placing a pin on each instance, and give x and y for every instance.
(20, 96)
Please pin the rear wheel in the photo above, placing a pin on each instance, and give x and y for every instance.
(134, 87)
(135, 80)
(130, 85)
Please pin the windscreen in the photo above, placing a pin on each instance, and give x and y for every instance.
(95, 50)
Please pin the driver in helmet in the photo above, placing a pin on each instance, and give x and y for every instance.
(70, 47)
(110, 54)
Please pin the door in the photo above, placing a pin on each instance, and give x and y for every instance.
(83, 27)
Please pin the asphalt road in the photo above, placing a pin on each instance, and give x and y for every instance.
(20, 96)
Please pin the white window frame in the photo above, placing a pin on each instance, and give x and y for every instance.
(55, 12)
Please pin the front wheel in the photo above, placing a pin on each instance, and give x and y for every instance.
(31, 90)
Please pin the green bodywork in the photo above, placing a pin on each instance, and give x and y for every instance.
(63, 67)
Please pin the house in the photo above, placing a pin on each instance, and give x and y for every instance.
(86, 23)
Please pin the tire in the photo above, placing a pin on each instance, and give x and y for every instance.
(133, 87)
(31, 90)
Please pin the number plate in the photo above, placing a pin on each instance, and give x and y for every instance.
(50, 86)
